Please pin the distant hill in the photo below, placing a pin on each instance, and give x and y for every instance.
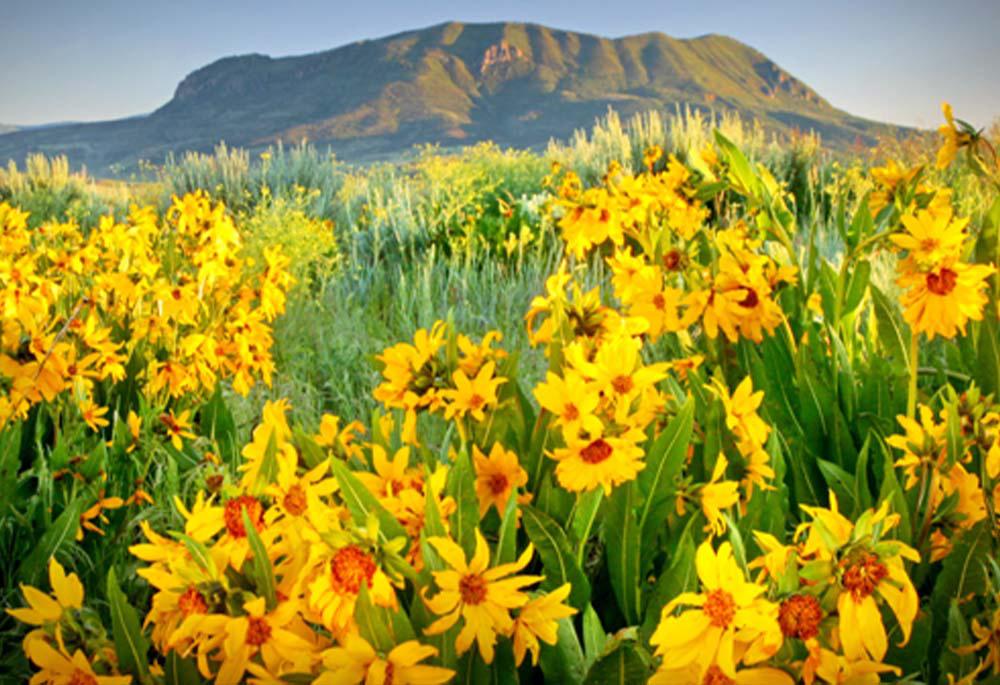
(7, 128)
(517, 84)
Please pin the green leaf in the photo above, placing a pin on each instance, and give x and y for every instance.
(62, 530)
(963, 573)
(680, 575)
(507, 543)
(131, 644)
(262, 570)
(892, 332)
(582, 522)
(563, 662)
(621, 541)
(664, 462)
(843, 485)
(180, 671)
(626, 664)
(217, 422)
(362, 503)
(378, 625)
(462, 486)
(891, 490)
(594, 637)
(958, 635)
(557, 555)
(856, 287)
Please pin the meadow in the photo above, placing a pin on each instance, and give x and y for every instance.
(671, 402)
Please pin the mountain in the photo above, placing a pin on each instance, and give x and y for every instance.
(453, 84)
(7, 128)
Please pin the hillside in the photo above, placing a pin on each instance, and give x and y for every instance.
(7, 128)
(518, 84)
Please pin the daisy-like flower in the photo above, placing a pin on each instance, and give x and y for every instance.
(497, 477)
(953, 138)
(864, 570)
(93, 414)
(481, 596)
(572, 400)
(268, 635)
(931, 237)
(178, 427)
(355, 661)
(717, 495)
(59, 668)
(337, 579)
(732, 622)
(943, 300)
(472, 396)
(539, 620)
(67, 595)
(600, 462)
(741, 412)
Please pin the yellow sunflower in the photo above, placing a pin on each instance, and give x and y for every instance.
(497, 477)
(355, 661)
(605, 462)
(481, 596)
(942, 300)
(539, 620)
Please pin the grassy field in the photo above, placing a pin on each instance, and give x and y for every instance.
(671, 402)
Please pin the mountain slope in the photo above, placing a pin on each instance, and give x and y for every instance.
(7, 128)
(518, 84)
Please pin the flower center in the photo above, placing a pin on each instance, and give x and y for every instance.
(715, 676)
(570, 412)
(799, 617)
(720, 607)
(622, 384)
(498, 483)
(390, 672)
(476, 401)
(659, 302)
(672, 260)
(81, 678)
(596, 452)
(942, 283)
(472, 589)
(863, 575)
(233, 515)
(258, 631)
(192, 602)
(751, 300)
(295, 500)
(350, 567)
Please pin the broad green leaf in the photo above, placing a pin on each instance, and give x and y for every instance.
(626, 664)
(664, 462)
(856, 287)
(679, 576)
(131, 644)
(582, 522)
(892, 332)
(556, 554)
(843, 485)
(621, 543)
(563, 662)
(594, 637)
(507, 542)
(180, 671)
(63, 530)
(262, 569)
(462, 486)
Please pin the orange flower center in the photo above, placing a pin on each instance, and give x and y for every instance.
(942, 283)
(472, 589)
(390, 672)
(350, 567)
(720, 607)
(596, 452)
(258, 631)
(751, 300)
(622, 384)
(192, 602)
(498, 483)
(233, 515)
(799, 617)
(81, 678)
(570, 412)
(295, 500)
(715, 676)
(476, 401)
(863, 576)
(659, 302)
(672, 260)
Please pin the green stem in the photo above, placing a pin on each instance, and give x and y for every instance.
(911, 396)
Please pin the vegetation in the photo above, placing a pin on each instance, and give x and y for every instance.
(673, 403)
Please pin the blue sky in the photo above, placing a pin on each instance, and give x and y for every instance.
(99, 59)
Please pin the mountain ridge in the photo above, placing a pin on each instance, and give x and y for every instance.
(519, 84)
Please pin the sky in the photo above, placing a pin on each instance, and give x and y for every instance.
(895, 60)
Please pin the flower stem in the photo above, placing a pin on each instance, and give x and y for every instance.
(911, 396)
